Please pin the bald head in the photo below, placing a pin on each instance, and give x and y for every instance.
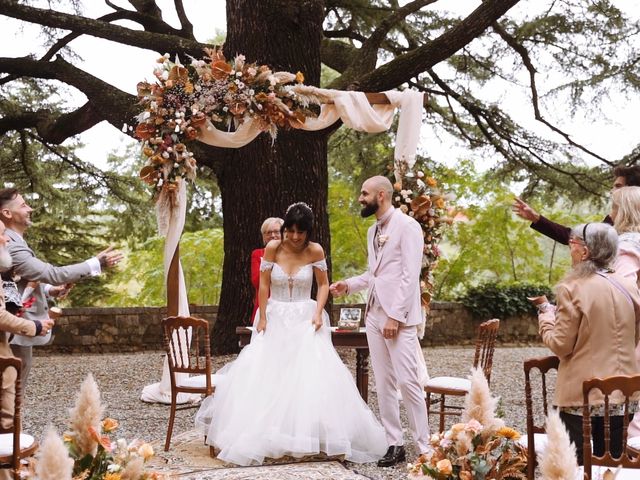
(379, 184)
(375, 196)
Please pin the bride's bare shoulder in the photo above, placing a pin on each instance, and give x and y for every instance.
(316, 252)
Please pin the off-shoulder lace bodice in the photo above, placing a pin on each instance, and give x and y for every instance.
(291, 288)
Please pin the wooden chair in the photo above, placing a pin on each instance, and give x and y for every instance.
(14, 445)
(459, 387)
(536, 440)
(627, 386)
(186, 341)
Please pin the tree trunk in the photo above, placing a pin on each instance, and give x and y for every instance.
(265, 177)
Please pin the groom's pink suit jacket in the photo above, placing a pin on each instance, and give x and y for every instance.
(394, 274)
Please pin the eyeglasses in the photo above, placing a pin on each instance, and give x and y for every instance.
(577, 241)
(272, 233)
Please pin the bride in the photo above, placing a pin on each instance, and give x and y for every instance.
(288, 392)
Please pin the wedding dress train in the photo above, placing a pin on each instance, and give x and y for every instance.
(288, 392)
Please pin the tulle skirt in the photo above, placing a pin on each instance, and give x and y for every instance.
(288, 393)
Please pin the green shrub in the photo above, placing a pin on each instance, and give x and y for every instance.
(493, 300)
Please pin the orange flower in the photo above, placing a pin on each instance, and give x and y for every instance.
(104, 440)
(179, 74)
(440, 202)
(432, 182)
(109, 425)
(220, 70)
(147, 151)
(299, 77)
(397, 186)
(509, 433)
(145, 131)
(444, 466)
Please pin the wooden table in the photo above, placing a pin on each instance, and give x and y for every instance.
(351, 339)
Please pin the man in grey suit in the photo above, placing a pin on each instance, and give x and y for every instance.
(16, 215)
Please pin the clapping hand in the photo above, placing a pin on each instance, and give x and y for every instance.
(109, 257)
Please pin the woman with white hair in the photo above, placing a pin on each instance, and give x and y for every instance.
(594, 332)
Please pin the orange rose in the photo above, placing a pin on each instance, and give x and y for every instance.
(444, 467)
(109, 425)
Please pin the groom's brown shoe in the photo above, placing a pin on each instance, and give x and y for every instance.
(394, 455)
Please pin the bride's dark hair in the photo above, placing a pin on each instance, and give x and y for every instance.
(300, 215)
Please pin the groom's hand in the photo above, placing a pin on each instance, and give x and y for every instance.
(390, 329)
(338, 289)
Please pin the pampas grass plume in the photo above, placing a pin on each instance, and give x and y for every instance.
(53, 461)
(479, 404)
(87, 413)
(558, 461)
(134, 469)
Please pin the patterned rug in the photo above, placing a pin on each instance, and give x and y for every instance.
(188, 458)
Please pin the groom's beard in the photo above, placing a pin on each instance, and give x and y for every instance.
(369, 209)
(5, 259)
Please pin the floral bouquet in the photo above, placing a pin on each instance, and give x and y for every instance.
(479, 448)
(417, 194)
(206, 94)
(86, 452)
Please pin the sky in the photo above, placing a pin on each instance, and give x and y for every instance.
(612, 132)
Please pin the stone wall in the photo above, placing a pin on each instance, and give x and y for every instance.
(136, 329)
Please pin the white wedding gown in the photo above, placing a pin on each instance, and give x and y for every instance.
(288, 392)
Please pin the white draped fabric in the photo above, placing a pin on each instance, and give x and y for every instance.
(161, 392)
(355, 111)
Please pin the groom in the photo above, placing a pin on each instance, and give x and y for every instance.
(395, 245)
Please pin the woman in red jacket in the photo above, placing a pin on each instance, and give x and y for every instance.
(270, 230)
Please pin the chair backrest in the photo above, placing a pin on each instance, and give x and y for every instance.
(485, 345)
(622, 384)
(186, 341)
(11, 393)
(544, 365)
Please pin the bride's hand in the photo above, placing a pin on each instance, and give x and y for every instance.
(262, 325)
(316, 321)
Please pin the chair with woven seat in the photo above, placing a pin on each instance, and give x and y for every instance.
(536, 440)
(627, 386)
(186, 341)
(14, 444)
(459, 387)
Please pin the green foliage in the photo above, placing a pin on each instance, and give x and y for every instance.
(489, 243)
(494, 300)
(348, 235)
(140, 281)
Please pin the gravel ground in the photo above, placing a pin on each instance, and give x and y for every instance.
(55, 379)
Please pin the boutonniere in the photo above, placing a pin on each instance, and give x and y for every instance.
(382, 239)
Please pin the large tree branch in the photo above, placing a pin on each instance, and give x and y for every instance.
(51, 127)
(106, 101)
(368, 53)
(526, 60)
(160, 42)
(411, 64)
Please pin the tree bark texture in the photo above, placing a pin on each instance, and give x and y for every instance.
(261, 179)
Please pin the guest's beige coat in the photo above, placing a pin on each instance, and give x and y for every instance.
(593, 331)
